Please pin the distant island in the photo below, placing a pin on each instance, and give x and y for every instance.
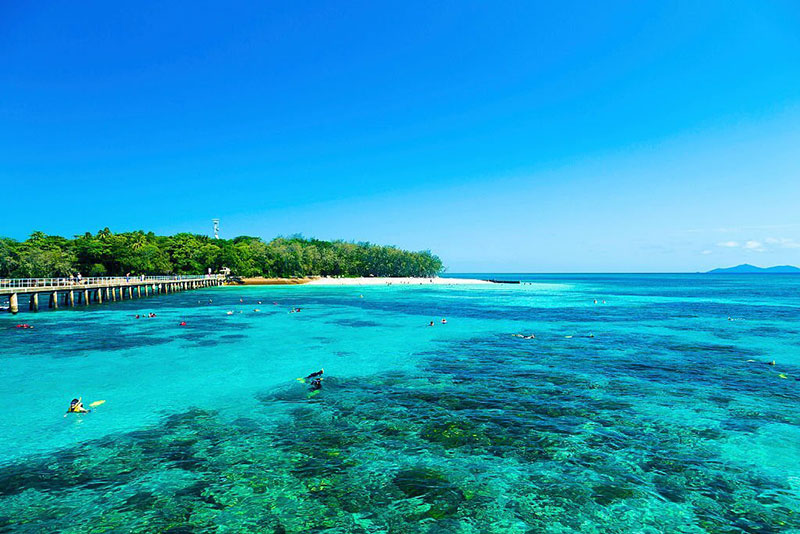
(108, 254)
(746, 268)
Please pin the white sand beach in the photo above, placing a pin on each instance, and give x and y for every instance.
(379, 281)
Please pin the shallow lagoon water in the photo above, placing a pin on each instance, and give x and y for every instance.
(657, 423)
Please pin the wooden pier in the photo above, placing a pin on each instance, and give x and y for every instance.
(68, 293)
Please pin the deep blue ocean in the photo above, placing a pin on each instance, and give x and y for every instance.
(643, 403)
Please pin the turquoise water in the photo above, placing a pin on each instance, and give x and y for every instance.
(649, 418)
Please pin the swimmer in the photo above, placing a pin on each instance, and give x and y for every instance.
(259, 302)
(517, 335)
(771, 363)
(183, 323)
(431, 323)
(604, 302)
(590, 335)
(256, 310)
(444, 321)
(137, 316)
(241, 300)
(529, 337)
(229, 313)
(315, 384)
(76, 406)
(595, 301)
(316, 374)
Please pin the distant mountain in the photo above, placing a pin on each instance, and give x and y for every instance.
(746, 268)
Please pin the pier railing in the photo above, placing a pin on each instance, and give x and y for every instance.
(25, 283)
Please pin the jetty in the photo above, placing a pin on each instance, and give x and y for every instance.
(71, 292)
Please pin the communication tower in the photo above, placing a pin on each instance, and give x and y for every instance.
(216, 228)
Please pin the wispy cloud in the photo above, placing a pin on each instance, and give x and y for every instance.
(782, 242)
(767, 244)
(706, 252)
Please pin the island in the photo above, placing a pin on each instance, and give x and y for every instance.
(746, 268)
(144, 253)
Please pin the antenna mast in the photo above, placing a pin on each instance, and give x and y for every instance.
(216, 228)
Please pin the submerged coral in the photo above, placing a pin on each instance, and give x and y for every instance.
(485, 437)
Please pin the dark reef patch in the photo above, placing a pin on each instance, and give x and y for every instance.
(487, 433)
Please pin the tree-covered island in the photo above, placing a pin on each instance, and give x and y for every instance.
(110, 254)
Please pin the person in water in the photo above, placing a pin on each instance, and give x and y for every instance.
(316, 374)
(316, 380)
(76, 406)
(431, 323)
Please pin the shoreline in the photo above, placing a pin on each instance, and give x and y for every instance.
(363, 281)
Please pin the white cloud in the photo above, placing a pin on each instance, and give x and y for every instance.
(783, 242)
(706, 252)
(755, 246)
(728, 244)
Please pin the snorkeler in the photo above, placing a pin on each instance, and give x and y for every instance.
(76, 406)
(316, 374)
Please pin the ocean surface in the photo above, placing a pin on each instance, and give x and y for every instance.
(645, 403)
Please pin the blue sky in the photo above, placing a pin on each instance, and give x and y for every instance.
(513, 136)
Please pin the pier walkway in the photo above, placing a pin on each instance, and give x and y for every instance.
(71, 292)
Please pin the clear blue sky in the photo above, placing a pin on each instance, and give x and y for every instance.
(511, 136)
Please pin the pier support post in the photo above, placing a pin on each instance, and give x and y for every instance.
(85, 297)
(13, 303)
(34, 304)
(54, 300)
(138, 291)
(71, 298)
(99, 296)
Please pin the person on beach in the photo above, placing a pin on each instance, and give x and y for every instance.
(76, 406)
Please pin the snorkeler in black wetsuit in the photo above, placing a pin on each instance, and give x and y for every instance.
(315, 380)
(314, 375)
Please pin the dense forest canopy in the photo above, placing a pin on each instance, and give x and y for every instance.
(110, 254)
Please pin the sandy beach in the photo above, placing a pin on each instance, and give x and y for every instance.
(379, 281)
